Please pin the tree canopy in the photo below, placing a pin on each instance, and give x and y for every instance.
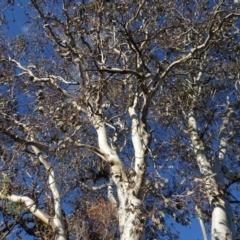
(119, 119)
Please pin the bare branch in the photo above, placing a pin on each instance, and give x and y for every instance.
(30, 205)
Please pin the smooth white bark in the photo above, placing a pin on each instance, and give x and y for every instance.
(57, 220)
(200, 218)
(30, 205)
(222, 217)
(129, 205)
(203, 164)
(221, 221)
(140, 145)
(222, 224)
(128, 208)
(119, 176)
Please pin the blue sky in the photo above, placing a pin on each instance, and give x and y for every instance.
(17, 21)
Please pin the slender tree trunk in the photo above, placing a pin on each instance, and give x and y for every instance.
(222, 215)
(222, 223)
(222, 226)
(57, 221)
(200, 218)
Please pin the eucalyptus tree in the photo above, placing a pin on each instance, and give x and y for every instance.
(107, 107)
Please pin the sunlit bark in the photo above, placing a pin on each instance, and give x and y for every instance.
(129, 209)
(29, 204)
(57, 222)
(222, 218)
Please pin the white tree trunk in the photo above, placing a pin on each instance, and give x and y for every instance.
(200, 218)
(57, 221)
(132, 228)
(222, 228)
(130, 210)
(222, 225)
(222, 216)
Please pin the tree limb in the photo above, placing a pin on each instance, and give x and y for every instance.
(30, 205)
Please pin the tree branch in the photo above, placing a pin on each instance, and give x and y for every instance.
(30, 206)
(110, 155)
(58, 222)
(117, 70)
(140, 140)
(51, 78)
